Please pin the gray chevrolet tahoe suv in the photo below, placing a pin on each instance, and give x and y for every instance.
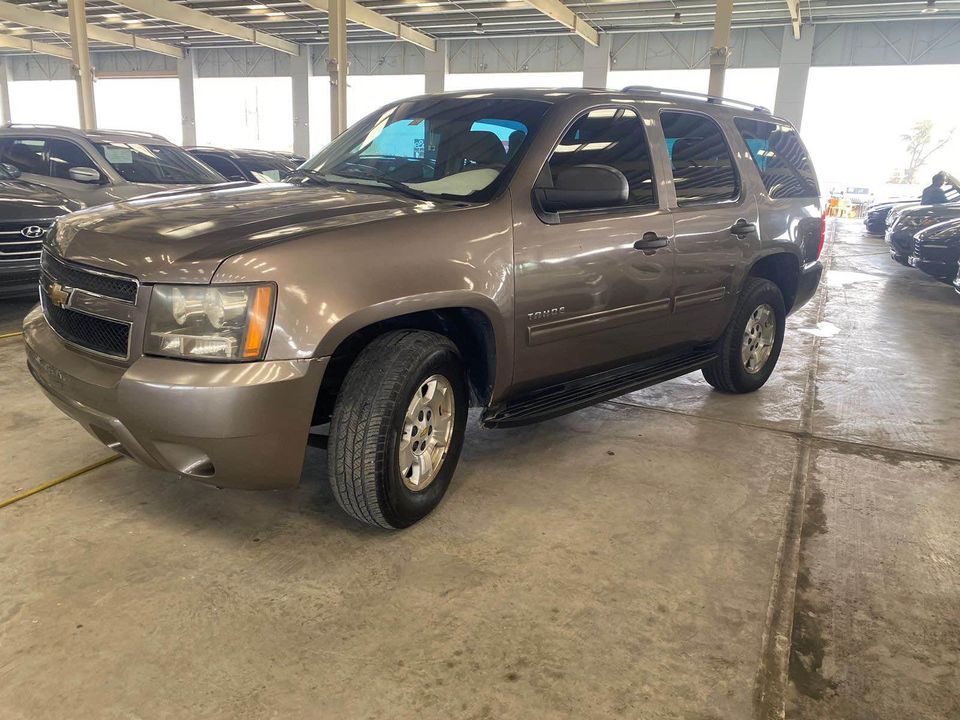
(528, 252)
(100, 166)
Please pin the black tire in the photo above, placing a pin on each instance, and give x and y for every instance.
(727, 373)
(368, 420)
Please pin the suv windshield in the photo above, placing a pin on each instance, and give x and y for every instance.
(446, 147)
(155, 163)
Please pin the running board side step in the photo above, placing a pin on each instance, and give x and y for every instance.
(562, 398)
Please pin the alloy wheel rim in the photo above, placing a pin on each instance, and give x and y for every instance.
(427, 429)
(759, 336)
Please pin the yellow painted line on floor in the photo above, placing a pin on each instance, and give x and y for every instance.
(10, 335)
(57, 481)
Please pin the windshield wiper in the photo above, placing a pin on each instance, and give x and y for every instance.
(391, 183)
(318, 178)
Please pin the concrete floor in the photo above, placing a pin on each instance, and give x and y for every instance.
(645, 558)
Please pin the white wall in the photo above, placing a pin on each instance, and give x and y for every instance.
(147, 104)
(752, 85)
(245, 112)
(854, 116)
(44, 102)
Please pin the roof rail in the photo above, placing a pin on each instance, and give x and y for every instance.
(697, 96)
(135, 133)
(36, 126)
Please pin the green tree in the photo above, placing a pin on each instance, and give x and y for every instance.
(920, 145)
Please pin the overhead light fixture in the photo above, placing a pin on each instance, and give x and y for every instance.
(931, 7)
(479, 29)
(676, 19)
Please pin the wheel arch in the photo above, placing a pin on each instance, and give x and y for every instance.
(472, 326)
(782, 268)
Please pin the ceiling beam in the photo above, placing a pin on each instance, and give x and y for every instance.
(182, 15)
(357, 13)
(59, 24)
(19, 43)
(568, 18)
(794, 7)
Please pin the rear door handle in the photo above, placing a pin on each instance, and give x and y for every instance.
(742, 228)
(650, 241)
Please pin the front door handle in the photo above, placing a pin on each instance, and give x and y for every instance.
(650, 241)
(742, 228)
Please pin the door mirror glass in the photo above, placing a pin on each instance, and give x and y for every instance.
(84, 175)
(12, 170)
(584, 187)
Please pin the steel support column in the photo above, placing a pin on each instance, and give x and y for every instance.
(436, 66)
(4, 90)
(186, 74)
(300, 66)
(795, 57)
(596, 62)
(721, 46)
(77, 13)
(337, 67)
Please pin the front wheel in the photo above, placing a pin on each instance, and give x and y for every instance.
(750, 346)
(397, 428)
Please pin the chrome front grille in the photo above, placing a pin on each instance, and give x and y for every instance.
(90, 308)
(20, 240)
(90, 280)
(107, 337)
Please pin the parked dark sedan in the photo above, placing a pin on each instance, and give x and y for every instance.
(936, 250)
(249, 165)
(905, 224)
(27, 210)
(876, 217)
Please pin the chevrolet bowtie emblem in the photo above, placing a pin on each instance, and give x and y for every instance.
(58, 295)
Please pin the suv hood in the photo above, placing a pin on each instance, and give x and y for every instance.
(23, 200)
(184, 236)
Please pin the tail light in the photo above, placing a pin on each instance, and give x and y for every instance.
(823, 232)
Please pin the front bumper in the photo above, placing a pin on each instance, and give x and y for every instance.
(901, 243)
(808, 283)
(240, 425)
(19, 279)
(934, 268)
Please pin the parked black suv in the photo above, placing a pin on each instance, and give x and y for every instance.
(27, 210)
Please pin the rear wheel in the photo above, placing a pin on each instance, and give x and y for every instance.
(750, 346)
(397, 428)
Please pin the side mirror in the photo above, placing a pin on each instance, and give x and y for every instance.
(584, 187)
(84, 175)
(12, 170)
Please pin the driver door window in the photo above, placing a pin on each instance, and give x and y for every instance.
(614, 139)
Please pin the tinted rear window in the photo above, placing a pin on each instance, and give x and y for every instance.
(703, 169)
(780, 157)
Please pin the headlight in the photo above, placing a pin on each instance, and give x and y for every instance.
(914, 222)
(210, 322)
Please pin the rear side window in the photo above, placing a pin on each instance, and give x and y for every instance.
(703, 168)
(222, 165)
(612, 137)
(780, 158)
